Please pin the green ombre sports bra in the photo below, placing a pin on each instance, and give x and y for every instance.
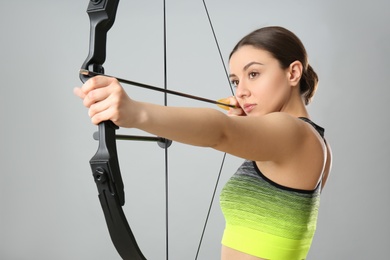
(265, 219)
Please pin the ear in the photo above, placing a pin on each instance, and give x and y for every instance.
(295, 71)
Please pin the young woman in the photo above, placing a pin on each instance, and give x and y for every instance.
(271, 203)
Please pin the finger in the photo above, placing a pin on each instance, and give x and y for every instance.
(105, 115)
(96, 95)
(236, 112)
(98, 107)
(78, 92)
(233, 101)
(96, 83)
(100, 117)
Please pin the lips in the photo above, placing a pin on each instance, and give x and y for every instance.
(249, 107)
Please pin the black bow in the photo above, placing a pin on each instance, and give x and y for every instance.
(104, 164)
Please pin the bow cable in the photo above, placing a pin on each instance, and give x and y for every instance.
(224, 155)
(217, 45)
(166, 144)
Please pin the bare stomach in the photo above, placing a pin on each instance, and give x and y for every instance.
(228, 253)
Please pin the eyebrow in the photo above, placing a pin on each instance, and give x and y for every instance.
(247, 66)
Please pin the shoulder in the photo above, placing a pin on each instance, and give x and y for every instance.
(265, 138)
(286, 126)
(281, 119)
(303, 155)
(292, 136)
(294, 126)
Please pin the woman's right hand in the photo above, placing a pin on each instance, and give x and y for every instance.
(237, 110)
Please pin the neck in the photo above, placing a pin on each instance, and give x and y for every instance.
(296, 107)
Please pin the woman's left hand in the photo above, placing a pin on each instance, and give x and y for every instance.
(107, 100)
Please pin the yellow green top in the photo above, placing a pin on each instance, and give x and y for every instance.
(266, 219)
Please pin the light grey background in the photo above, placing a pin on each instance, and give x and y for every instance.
(48, 201)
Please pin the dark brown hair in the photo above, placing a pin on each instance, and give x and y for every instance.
(286, 47)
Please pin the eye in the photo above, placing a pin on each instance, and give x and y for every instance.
(253, 74)
(234, 83)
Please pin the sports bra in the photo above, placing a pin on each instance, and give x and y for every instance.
(266, 219)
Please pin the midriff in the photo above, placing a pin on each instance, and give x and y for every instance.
(228, 253)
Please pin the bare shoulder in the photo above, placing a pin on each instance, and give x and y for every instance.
(303, 158)
(287, 128)
(263, 138)
(290, 133)
(284, 122)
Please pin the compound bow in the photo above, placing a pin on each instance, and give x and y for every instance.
(104, 164)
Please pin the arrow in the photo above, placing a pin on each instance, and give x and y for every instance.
(220, 102)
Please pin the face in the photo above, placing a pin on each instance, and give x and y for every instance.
(262, 86)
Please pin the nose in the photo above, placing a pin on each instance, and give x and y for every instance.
(242, 91)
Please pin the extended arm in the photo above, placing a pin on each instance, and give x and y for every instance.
(255, 138)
